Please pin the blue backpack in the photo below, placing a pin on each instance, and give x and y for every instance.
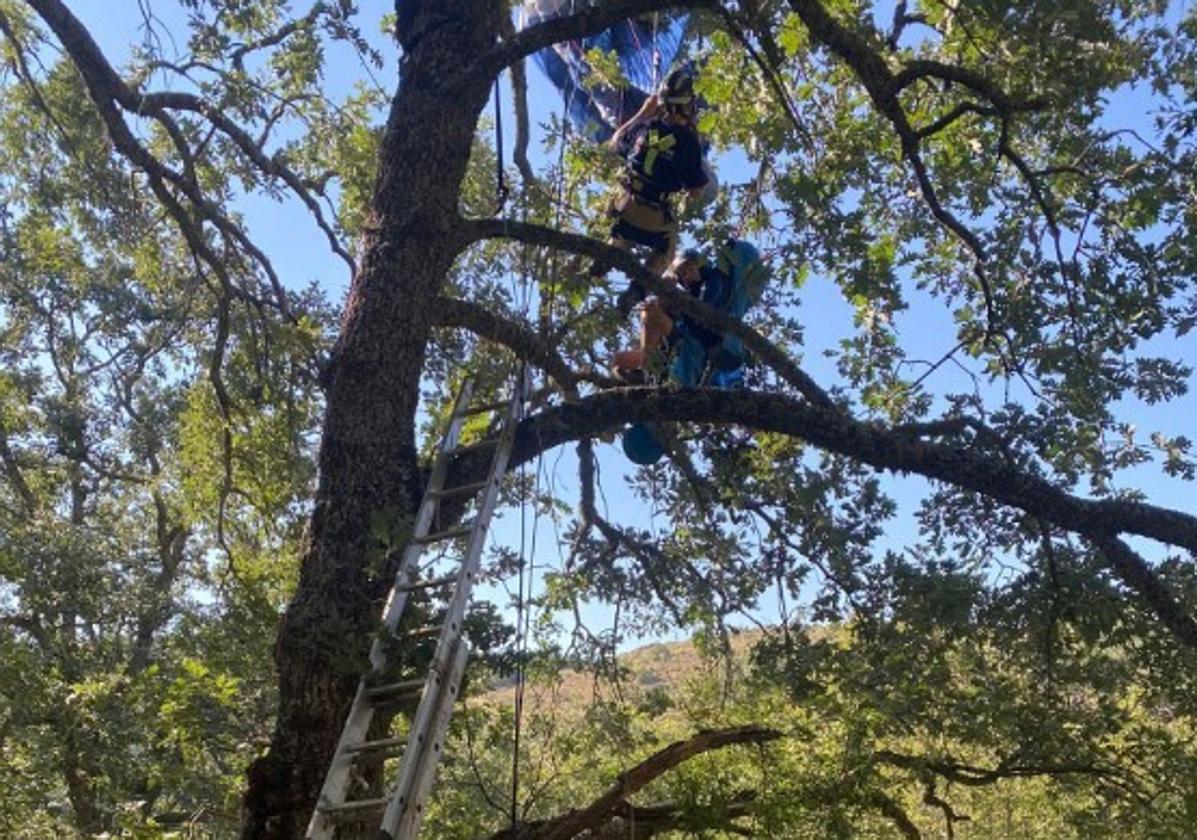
(734, 289)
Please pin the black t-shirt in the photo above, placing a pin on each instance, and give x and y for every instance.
(665, 159)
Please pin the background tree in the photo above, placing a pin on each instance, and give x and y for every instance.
(963, 159)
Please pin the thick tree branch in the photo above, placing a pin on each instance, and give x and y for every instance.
(885, 449)
(677, 300)
(629, 821)
(602, 809)
(912, 71)
(1135, 572)
(484, 322)
(642, 822)
(16, 476)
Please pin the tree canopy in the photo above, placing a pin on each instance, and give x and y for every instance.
(953, 500)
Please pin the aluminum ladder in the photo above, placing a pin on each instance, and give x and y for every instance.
(402, 808)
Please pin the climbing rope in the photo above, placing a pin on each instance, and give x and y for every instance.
(501, 189)
(550, 303)
(523, 620)
(519, 659)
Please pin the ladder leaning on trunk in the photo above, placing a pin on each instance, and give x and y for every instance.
(400, 811)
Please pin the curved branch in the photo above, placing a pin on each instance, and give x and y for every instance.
(885, 449)
(951, 116)
(519, 93)
(769, 69)
(771, 354)
(482, 321)
(971, 776)
(927, 68)
(279, 35)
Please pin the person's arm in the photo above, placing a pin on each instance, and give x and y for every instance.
(646, 112)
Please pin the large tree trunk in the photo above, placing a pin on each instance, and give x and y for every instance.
(368, 455)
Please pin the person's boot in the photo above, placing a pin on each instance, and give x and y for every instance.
(630, 376)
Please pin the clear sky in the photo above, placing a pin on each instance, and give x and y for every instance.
(300, 253)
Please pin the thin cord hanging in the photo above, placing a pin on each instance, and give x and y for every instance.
(519, 658)
(501, 189)
(523, 620)
(549, 303)
(656, 52)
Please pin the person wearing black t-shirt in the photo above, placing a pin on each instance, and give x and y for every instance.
(664, 156)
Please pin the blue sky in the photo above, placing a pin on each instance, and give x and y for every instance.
(300, 253)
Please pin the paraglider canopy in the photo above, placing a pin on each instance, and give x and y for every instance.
(643, 45)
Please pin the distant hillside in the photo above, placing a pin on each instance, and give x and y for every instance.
(660, 665)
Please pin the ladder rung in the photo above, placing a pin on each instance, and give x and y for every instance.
(357, 810)
(378, 745)
(459, 490)
(420, 632)
(395, 688)
(426, 584)
(441, 536)
(476, 446)
(483, 408)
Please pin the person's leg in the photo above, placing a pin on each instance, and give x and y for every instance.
(663, 241)
(653, 227)
(655, 326)
(662, 258)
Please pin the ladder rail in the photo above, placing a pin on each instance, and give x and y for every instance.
(335, 788)
(400, 822)
(447, 644)
(409, 565)
(439, 688)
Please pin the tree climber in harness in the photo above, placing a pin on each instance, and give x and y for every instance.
(693, 353)
(664, 156)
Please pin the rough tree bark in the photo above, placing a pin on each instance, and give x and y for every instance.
(367, 457)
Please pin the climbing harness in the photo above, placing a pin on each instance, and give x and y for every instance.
(400, 811)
